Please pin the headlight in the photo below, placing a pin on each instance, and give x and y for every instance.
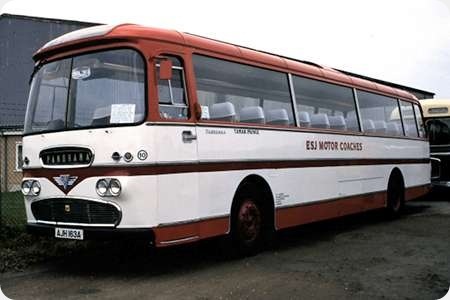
(102, 187)
(114, 187)
(35, 188)
(26, 187)
(31, 187)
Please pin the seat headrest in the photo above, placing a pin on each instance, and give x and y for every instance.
(380, 126)
(222, 112)
(277, 116)
(304, 119)
(368, 126)
(337, 122)
(252, 114)
(320, 121)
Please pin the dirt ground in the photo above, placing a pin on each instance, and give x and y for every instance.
(356, 257)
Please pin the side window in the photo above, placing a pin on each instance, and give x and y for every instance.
(19, 162)
(379, 114)
(419, 121)
(172, 92)
(325, 105)
(233, 92)
(409, 122)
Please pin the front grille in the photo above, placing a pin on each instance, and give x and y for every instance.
(69, 210)
(66, 156)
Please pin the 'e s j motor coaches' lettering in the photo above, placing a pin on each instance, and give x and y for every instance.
(333, 146)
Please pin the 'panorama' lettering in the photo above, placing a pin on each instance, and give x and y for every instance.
(333, 146)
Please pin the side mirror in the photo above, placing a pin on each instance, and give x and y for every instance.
(165, 69)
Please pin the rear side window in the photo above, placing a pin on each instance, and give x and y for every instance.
(409, 120)
(233, 92)
(379, 114)
(419, 121)
(324, 105)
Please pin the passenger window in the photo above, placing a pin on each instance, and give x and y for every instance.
(172, 92)
(419, 121)
(325, 105)
(379, 114)
(234, 92)
(409, 122)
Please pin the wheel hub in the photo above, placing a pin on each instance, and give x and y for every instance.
(249, 218)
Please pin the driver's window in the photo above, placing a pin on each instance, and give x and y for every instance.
(172, 92)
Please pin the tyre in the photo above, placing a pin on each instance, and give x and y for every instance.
(395, 196)
(251, 225)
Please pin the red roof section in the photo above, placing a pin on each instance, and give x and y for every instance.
(247, 54)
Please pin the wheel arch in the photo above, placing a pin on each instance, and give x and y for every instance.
(396, 174)
(259, 184)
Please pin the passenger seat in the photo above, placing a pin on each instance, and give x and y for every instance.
(252, 114)
(222, 112)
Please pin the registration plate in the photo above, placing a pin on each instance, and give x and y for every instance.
(67, 233)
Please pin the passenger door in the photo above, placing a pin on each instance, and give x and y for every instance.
(176, 143)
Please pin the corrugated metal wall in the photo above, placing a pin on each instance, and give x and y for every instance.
(20, 37)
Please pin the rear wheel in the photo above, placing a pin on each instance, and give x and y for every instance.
(251, 227)
(248, 223)
(395, 196)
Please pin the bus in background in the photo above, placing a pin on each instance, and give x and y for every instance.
(140, 131)
(436, 114)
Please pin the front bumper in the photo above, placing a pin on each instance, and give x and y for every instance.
(440, 183)
(97, 233)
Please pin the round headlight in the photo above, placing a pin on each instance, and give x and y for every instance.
(102, 187)
(115, 187)
(26, 187)
(35, 188)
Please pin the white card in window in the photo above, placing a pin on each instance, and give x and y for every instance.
(122, 113)
(205, 112)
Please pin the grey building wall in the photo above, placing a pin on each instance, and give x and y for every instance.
(20, 37)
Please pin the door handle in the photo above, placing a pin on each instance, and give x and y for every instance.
(188, 136)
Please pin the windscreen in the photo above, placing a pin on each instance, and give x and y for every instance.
(438, 131)
(93, 90)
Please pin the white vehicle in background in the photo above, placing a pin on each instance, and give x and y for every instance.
(436, 113)
(134, 130)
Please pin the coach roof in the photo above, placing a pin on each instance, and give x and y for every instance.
(125, 31)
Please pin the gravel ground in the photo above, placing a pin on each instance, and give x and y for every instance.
(358, 257)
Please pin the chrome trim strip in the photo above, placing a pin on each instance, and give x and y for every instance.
(74, 224)
(360, 179)
(328, 200)
(440, 153)
(441, 183)
(62, 166)
(195, 237)
(439, 171)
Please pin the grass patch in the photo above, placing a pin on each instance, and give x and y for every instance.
(19, 249)
(12, 209)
